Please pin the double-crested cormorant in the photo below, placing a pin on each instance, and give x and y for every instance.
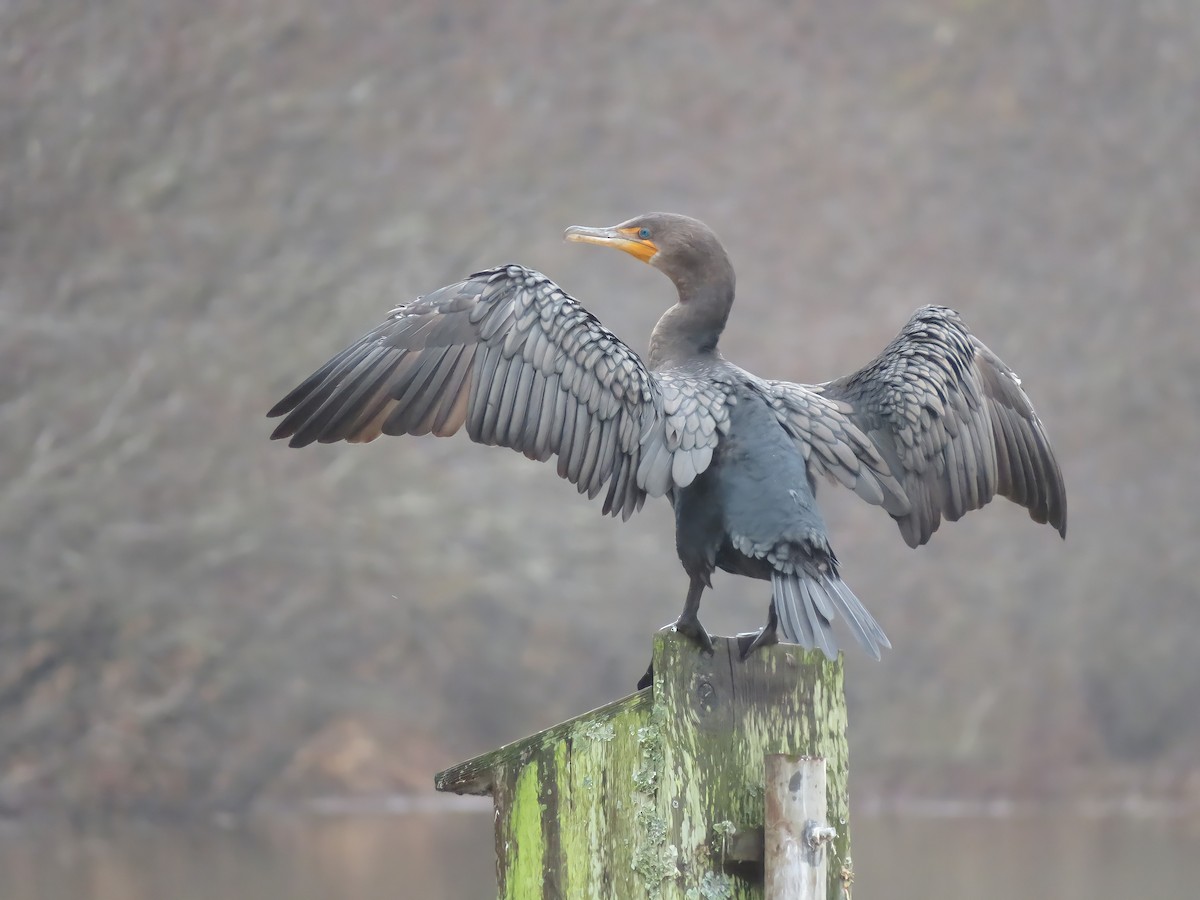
(935, 426)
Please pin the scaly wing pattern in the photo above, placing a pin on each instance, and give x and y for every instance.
(953, 425)
(832, 444)
(521, 364)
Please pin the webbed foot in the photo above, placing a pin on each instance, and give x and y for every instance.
(688, 624)
(749, 641)
(690, 627)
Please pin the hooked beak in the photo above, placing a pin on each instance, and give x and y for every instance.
(622, 238)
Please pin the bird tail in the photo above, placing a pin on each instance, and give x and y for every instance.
(807, 606)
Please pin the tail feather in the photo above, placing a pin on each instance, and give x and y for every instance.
(824, 604)
(787, 607)
(869, 634)
(806, 609)
(821, 624)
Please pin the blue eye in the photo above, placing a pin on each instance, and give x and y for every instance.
(643, 232)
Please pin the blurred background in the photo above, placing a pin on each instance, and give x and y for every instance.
(200, 203)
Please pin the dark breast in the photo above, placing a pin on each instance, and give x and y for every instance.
(753, 510)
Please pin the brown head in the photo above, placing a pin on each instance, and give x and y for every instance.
(687, 252)
(682, 248)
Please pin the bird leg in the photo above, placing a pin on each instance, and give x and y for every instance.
(688, 624)
(749, 641)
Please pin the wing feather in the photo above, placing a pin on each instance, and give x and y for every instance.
(566, 441)
(456, 394)
(521, 364)
(832, 444)
(481, 385)
(550, 402)
(953, 425)
(360, 381)
(528, 390)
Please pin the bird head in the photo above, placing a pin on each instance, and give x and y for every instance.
(678, 246)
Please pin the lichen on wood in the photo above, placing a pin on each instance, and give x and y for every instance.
(642, 797)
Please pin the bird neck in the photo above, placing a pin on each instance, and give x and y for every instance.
(691, 328)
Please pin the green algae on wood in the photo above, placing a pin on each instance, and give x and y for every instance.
(644, 797)
(524, 836)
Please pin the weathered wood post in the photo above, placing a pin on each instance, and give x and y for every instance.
(796, 799)
(661, 794)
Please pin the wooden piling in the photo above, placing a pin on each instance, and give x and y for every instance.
(795, 827)
(661, 794)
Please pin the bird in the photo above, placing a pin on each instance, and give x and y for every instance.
(935, 426)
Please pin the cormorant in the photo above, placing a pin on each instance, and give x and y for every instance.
(933, 427)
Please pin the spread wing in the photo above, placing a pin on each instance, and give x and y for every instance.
(521, 364)
(833, 445)
(951, 422)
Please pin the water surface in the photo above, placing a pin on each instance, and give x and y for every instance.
(449, 855)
